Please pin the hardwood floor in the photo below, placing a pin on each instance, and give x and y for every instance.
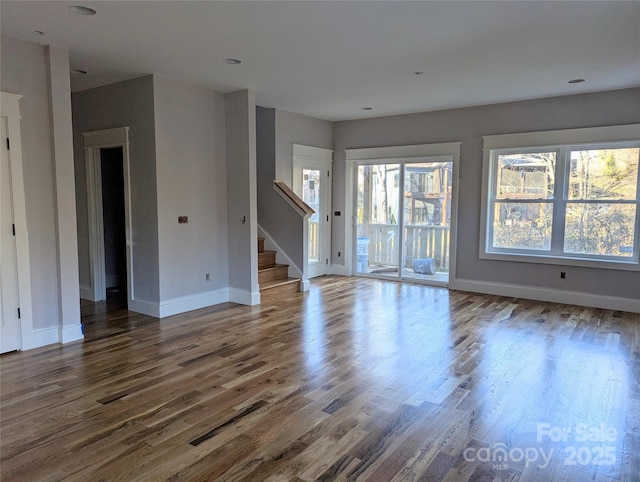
(357, 379)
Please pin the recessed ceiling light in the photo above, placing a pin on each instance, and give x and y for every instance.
(38, 32)
(366, 108)
(576, 81)
(232, 61)
(79, 71)
(82, 10)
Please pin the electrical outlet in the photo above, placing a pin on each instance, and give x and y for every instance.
(563, 275)
(207, 277)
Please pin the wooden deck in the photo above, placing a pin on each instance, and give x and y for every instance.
(357, 379)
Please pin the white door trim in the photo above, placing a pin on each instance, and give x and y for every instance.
(316, 158)
(94, 141)
(10, 109)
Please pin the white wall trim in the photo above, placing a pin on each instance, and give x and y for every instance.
(305, 285)
(589, 135)
(183, 304)
(340, 270)
(115, 137)
(145, 307)
(244, 297)
(10, 108)
(392, 153)
(547, 294)
(41, 337)
(69, 333)
(317, 153)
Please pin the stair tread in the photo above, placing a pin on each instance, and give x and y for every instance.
(278, 282)
(266, 251)
(274, 267)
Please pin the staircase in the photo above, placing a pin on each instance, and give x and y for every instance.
(273, 278)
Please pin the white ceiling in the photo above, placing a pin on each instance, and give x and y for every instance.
(330, 59)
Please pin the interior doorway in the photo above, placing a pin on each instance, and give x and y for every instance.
(113, 219)
(109, 209)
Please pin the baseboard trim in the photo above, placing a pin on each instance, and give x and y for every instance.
(41, 337)
(70, 333)
(244, 297)
(144, 307)
(183, 304)
(547, 294)
(305, 285)
(340, 270)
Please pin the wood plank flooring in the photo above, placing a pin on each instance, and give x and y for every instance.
(358, 379)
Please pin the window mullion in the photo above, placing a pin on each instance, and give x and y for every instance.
(559, 201)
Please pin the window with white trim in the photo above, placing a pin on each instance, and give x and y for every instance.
(576, 202)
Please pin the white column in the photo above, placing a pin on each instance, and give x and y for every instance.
(64, 194)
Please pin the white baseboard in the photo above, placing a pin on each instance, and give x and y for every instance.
(86, 293)
(305, 285)
(144, 307)
(183, 304)
(547, 294)
(70, 333)
(41, 337)
(340, 270)
(244, 297)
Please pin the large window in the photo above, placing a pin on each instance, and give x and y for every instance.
(575, 202)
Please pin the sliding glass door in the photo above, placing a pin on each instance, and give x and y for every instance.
(427, 220)
(377, 211)
(403, 212)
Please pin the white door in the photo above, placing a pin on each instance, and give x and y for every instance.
(9, 295)
(312, 183)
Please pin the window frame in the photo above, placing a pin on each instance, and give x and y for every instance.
(562, 142)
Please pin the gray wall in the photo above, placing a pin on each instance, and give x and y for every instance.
(277, 131)
(191, 174)
(468, 126)
(240, 113)
(24, 71)
(129, 103)
(290, 129)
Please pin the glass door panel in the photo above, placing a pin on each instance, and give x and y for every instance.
(427, 220)
(311, 195)
(377, 211)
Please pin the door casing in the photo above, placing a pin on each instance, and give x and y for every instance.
(10, 113)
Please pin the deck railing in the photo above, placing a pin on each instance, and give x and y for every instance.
(420, 241)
